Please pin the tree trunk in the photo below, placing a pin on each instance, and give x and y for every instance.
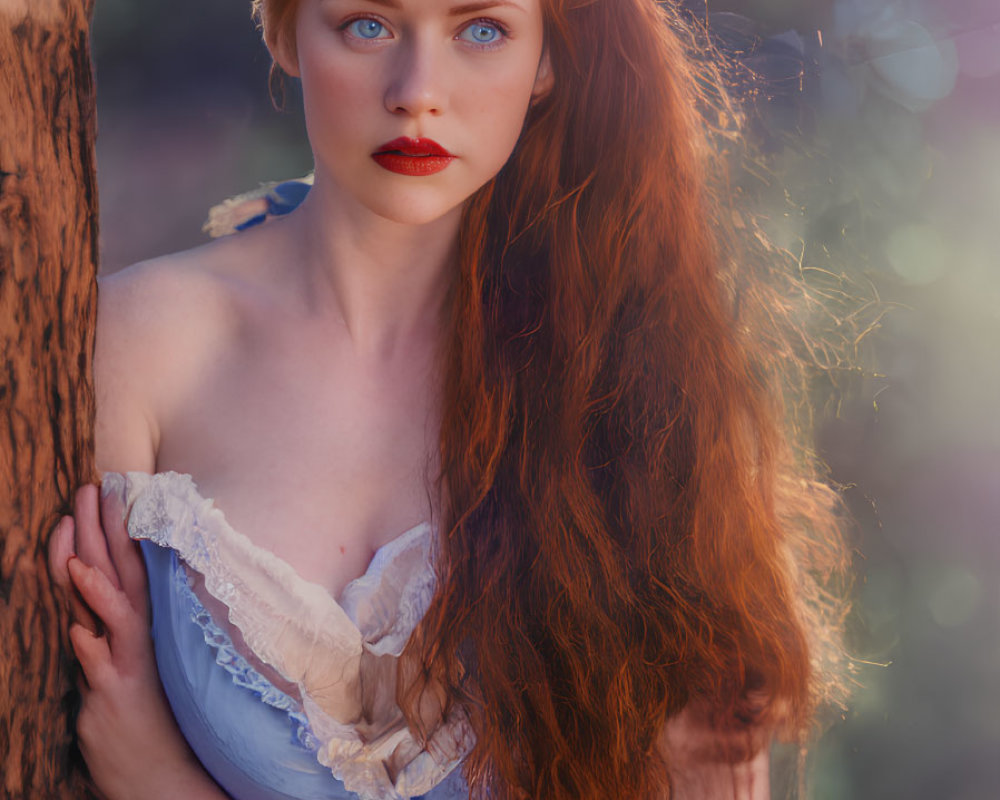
(48, 258)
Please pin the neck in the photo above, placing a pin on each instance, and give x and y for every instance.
(385, 280)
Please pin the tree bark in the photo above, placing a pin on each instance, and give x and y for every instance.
(48, 264)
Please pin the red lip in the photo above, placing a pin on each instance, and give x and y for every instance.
(414, 147)
(408, 156)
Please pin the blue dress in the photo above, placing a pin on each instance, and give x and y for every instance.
(337, 732)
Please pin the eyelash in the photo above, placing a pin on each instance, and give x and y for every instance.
(501, 29)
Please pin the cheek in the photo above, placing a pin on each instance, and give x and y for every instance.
(336, 93)
(500, 107)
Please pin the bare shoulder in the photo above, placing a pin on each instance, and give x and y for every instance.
(157, 302)
(159, 324)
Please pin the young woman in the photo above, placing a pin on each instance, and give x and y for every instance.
(496, 325)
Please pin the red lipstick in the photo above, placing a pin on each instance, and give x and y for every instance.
(408, 156)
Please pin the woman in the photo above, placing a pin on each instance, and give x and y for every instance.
(496, 325)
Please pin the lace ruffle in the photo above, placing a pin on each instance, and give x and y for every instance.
(240, 670)
(328, 650)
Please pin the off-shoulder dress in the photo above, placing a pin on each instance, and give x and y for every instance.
(333, 730)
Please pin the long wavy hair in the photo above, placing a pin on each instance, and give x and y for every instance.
(626, 526)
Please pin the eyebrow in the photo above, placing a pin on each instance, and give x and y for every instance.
(457, 11)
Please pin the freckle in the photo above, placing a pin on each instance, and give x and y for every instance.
(342, 550)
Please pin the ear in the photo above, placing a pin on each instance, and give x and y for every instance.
(544, 79)
(281, 44)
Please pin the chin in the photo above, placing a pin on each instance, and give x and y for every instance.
(416, 211)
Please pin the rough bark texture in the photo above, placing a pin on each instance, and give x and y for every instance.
(48, 244)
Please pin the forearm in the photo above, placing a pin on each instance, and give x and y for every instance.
(709, 761)
(744, 780)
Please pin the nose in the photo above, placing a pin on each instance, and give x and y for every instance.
(417, 83)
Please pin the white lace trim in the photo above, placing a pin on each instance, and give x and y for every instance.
(296, 627)
(232, 661)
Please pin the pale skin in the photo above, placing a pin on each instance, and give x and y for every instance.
(291, 369)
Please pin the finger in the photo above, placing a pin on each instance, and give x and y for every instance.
(91, 545)
(79, 679)
(60, 552)
(94, 655)
(105, 600)
(128, 636)
(125, 554)
(81, 613)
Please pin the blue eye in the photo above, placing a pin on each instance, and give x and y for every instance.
(366, 28)
(482, 32)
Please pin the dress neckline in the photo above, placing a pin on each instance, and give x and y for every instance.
(378, 557)
(382, 554)
(331, 651)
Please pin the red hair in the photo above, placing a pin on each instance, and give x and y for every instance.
(624, 531)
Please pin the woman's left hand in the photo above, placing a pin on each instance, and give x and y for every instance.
(126, 731)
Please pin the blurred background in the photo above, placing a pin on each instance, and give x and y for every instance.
(879, 121)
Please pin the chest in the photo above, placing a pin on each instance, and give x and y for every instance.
(309, 452)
